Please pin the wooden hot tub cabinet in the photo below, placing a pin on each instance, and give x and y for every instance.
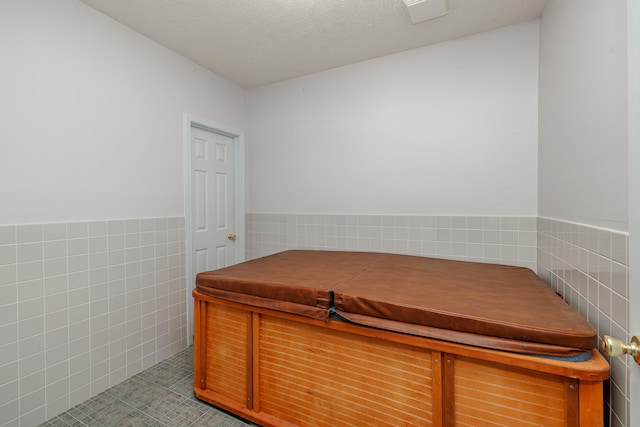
(280, 369)
(330, 338)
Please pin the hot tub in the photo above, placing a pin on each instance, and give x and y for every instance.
(319, 338)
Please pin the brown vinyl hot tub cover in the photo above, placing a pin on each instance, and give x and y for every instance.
(299, 282)
(507, 306)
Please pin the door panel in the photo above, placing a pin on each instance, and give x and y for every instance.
(212, 192)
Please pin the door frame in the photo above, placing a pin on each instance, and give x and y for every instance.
(633, 139)
(238, 140)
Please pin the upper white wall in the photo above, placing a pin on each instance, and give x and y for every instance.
(91, 116)
(583, 113)
(446, 129)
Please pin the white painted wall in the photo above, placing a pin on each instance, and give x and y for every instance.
(445, 129)
(583, 113)
(91, 128)
(91, 116)
(583, 151)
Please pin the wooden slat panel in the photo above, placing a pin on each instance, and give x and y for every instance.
(313, 376)
(448, 391)
(255, 363)
(437, 374)
(227, 356)
(591, 404)
(309, 373)
(572, 402)
(199, 344)
(487, 394)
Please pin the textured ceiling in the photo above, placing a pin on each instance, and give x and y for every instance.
(258, 42)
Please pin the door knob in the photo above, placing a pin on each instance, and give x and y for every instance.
(614, 347)
(231, 236)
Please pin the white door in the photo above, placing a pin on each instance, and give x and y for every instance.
(213, 228)
(214, 201)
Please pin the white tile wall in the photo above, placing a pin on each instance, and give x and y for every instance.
(506, 240)
(83, 306)
(589, 267)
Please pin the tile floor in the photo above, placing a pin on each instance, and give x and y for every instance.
(160, 396)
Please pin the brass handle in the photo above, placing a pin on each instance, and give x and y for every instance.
(231, 236)
(614, 347)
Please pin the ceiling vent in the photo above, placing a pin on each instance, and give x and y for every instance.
(425, 10)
